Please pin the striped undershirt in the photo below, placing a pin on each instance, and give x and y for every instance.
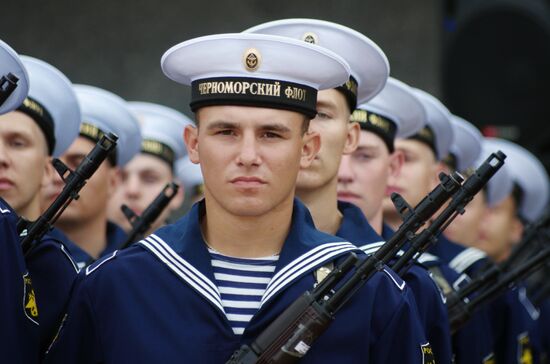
(242, 283)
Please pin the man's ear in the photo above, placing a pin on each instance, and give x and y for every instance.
(191, 139)
(397, 158)
(310, 147)
(516, 230)
(352, 138)
(49, 173)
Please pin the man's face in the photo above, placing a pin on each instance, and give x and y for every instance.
(363, 175)
(500, 230)
(23, 162)
(95, 195)
(249, 156)
(417, 177)
(143, 178)
(465, 229)
(337, 136)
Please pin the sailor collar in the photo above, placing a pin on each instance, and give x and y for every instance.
(182, 249)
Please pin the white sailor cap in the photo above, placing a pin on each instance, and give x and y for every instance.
(52, 103)
(394, 113)
(501, 184)
(161, 130)
(104, 112)
(254, 70)
(190, 175)
(14, 80)
(466, 146)
(437, 132)
(529, 175)
(369, 66)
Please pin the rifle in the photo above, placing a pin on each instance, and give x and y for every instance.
(413, 219)
(460, 199)
(74, 181)
(463, 311)
(290, 335)
(8, 84)
(140, 224)
(491, 272)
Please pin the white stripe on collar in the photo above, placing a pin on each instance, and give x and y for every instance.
(183, 269)
(427, 257)
(466, 258)
(303, 263)
(208, 289)
(73, 263)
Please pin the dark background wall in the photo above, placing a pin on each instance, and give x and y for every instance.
(117, 44)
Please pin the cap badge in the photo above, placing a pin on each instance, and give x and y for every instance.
(310, 37)
(252, 59)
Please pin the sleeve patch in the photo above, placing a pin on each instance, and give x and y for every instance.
(427, 354)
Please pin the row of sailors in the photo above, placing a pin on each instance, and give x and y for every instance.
(398, 139)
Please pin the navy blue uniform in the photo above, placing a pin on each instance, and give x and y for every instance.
(433, 313)
(19, 333)
(115, 237)
(460, 258)
(156, 302)
(473, 343)
(53, 273)
(544, 324)
(514, 329)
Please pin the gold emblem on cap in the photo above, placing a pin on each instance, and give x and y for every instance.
(310, 37)
(252, 59)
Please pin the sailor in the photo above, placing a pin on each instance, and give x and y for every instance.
(317, 185)
(363, 178)
(172, 296)
(43, 125)
(18, 329)
(85, 221)
(148, 172)
(501, 229)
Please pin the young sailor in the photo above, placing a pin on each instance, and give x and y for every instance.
(317, 185)
(148, 172)
(85, 220)
(43, 125)
(173, 295)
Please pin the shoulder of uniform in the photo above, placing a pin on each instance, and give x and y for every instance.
(465, 259)
(427, 258)
(397, 281)
(100, 262)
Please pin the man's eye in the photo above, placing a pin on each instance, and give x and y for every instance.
(362, 156)
(269, 134)
(322, 115)
(225, 132)
(18, 142)
(150, 179)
